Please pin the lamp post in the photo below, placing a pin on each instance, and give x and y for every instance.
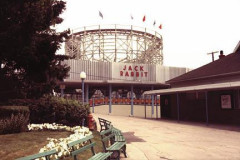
(83, 76)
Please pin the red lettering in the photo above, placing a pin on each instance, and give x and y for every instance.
(136, 68)
(137, 74)
(121, 73)
(130, 68)
(132, 74)
(125, 67)
(141, 68)
(145, 74)
(126, 74)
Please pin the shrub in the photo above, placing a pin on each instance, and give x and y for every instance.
(20, 102)
(7, 111)
(13, 119)
(58, 110)
(15, 124)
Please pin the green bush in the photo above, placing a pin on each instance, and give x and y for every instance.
(15, 124)
(13, 119)
(20, 102)
(7, 111)
(48, 110)
(58, 110)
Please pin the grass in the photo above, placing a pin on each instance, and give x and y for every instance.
(26, 143)
(17, 145)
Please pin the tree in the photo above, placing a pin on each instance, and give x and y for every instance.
(28, 44)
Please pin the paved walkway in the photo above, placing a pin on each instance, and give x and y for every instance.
(162, 139)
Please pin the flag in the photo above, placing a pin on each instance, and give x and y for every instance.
(144, 18)
(160, 26)
(131, 17)
(100, 14)
(154, 23)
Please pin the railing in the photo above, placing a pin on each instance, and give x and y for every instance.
(117, 26)
(121, 101)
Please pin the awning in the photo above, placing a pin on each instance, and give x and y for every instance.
(78, 83)
(206, 87)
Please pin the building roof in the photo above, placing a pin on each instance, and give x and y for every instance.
(237, 48)
(228, 65)
(207, 87)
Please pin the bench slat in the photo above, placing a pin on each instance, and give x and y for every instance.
(106, 155)
(101, 156)
(116, 146)
(39, 155)
(107, 137)
(77, 151)
(120, 138)
(80, 140)
(105, 132)
(96, 156)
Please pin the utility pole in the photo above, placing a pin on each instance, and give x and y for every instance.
(212, 53)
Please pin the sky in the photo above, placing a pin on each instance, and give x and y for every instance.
(190, 28)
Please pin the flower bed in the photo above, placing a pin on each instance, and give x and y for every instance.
(60, 144)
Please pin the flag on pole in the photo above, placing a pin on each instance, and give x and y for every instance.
(144, 18)
(131, 17)
(100, 14)
(160, 26)
(154, 23)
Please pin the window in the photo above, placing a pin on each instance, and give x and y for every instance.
(226, 101)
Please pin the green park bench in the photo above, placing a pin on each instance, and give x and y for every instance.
(46, 154)
(109, 145)
(104, 124)
(118, 136)
(99, 156)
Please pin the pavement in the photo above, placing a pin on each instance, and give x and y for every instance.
(151, 139)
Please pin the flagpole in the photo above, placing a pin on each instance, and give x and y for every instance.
(100, 15)
(144, 19)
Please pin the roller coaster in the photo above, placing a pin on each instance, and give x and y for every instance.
(116, 43)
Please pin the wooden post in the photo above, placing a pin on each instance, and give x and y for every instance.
(178, 106)
(152, 96)
(131, 100)
(156, 107)
(110, 98)
(206, 101)
(145, 106)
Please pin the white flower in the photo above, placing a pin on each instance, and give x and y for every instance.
(61, 144)
(42, 150)
(60, 154)
(66, 153)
